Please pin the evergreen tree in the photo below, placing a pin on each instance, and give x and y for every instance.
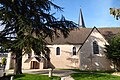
(26, 25)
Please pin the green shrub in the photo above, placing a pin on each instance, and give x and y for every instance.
(3, 61)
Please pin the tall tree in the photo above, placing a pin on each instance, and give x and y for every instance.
(115, 12)
(26, 25)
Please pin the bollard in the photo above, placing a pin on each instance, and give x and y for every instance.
(62, 78)
(11, 77)
(50, 72)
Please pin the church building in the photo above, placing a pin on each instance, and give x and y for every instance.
(82, 49)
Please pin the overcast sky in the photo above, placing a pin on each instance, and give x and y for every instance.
(95, 12)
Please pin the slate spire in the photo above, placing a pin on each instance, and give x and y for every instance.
(81, 20)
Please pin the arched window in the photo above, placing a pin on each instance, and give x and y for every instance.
(74, 50)
(29, 55)
(57, 51)
(95, 47)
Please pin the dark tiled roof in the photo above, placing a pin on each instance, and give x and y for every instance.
(29, 59)
(109, 32)
(78, 36)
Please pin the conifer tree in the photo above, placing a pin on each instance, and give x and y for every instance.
(26, 25)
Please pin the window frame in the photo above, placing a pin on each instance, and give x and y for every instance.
(95, 47)
(29, 55)
(57, 51)
(74, 51)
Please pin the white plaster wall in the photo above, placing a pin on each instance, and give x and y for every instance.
(8, 63)
(0, 59)
(90, 61)
(65, 59)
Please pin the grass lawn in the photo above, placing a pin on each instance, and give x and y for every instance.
(94, 76)
(34, 77)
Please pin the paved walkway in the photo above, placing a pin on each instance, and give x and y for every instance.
(64, 74)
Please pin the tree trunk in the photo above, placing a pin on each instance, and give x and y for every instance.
(18, 62)
(118, 64)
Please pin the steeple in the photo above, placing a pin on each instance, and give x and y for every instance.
(81, 20)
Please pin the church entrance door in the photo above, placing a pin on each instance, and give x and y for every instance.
(34, 65)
